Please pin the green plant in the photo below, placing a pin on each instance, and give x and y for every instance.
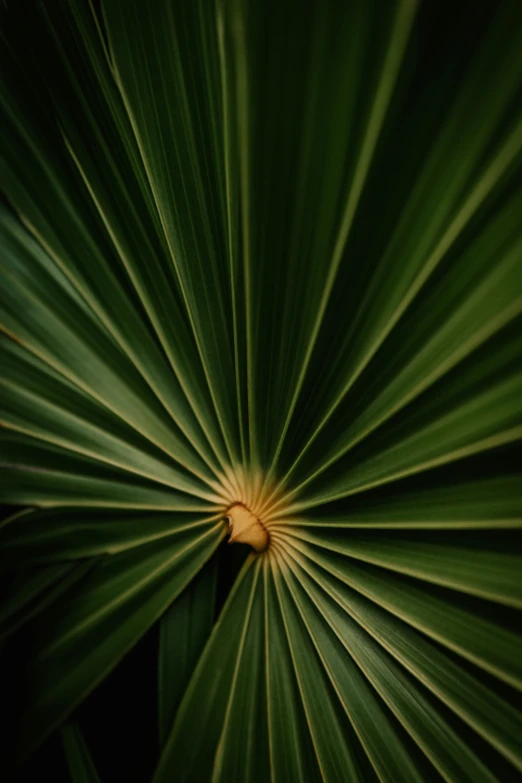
(270, 265)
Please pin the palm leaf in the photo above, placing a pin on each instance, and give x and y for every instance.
(80, 763)
(266, 257)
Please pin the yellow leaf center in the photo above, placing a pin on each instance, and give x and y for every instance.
(245, 528)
